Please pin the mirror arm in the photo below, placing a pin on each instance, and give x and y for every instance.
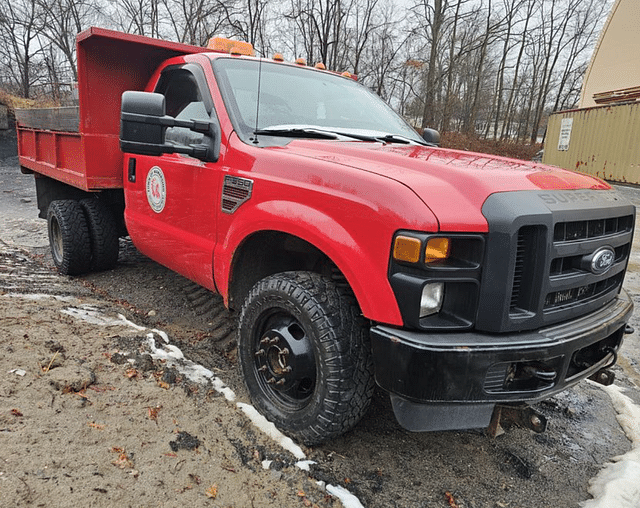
(202, 126)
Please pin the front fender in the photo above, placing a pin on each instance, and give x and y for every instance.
(359, 248)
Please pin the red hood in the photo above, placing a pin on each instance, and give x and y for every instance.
(453, 184)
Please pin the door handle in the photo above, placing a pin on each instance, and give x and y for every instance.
(132, 170)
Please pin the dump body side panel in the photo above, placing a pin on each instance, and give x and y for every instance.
(109, 63)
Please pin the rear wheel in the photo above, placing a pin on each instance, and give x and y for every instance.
(305, 357)
(103, 234)
(69, 237)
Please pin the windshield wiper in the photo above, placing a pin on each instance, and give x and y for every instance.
(387, 138)
(297, 132)
(316, 133)
(396, 138)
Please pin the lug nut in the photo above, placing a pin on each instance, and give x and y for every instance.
(262, 369)
(287, 369)
(273, 341)
(264, 341)
(260, 352)
(535, 421)
(285, 352)
(271, 380)
(280, 382)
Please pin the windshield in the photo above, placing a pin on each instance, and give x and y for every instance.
(295, 101)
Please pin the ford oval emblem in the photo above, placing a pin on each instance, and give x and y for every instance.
(602, 260)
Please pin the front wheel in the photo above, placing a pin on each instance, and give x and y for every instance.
(305, 357)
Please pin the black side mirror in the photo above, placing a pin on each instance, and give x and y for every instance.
(141, 130)
(431, 136)
(143, 123)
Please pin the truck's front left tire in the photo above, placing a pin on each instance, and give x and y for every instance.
(304, 352)
(69, 237)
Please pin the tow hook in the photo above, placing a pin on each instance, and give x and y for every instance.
(628, 329)
(605, 377)
(521, 415)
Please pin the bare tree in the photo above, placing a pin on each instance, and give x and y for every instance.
(63, 20)
(20, 25)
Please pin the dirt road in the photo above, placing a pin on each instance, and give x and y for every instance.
(89, 417)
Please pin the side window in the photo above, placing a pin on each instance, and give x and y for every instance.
(184, 101)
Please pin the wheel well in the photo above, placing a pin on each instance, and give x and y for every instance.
(48, 190)
(270, 252)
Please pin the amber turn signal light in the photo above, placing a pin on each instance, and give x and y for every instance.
(407, 249)
(437, 250)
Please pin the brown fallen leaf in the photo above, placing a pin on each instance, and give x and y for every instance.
(212, 492)
(123, 461)
(451, 500)
(132, 373)
(153, 413)
(16, 412)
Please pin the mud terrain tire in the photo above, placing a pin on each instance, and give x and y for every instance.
(305, 356)
(103, 234)
(69, 237)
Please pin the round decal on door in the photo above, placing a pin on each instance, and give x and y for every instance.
(156, 189)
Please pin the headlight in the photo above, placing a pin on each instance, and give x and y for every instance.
(431, 300)
(436, 278)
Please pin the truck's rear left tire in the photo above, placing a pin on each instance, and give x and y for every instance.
(69, 237)
(304, 352)
(103, 234)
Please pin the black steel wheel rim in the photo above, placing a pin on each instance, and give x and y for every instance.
(284, 360)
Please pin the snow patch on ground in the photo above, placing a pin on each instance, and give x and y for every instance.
(270, 430)
(617, 483)
(304, 464)
(91, 315)
(42, 296)
(347, 499)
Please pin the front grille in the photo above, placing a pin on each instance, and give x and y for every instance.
(542, 247)
(582, 293)
(595, 228)
(517, 274)
(527, 251)
(573, 264)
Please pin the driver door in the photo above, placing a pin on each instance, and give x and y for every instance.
(171, 199)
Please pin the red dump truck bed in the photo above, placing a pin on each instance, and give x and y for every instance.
(81, 148)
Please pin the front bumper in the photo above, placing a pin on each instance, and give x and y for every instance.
(461, 376)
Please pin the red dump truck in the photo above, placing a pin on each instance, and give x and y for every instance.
(354, 251)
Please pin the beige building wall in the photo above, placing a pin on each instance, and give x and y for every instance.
(616, 60)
